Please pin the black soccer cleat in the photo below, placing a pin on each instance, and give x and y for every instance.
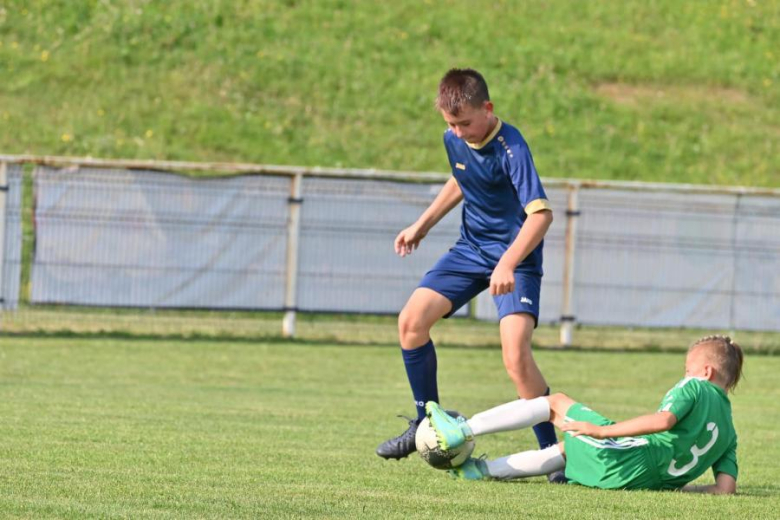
(401, 446)
(557, 477)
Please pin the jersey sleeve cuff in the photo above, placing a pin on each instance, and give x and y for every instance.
(732, 472)
(537, 205)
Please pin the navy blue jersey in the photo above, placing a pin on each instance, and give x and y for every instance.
(500, 188)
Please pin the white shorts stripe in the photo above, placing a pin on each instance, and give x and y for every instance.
(623, 443)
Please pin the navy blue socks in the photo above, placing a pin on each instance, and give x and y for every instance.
(545, 432)
(421, 371)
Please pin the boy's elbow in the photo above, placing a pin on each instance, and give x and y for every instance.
(725, 491)
(546, 217)
(725, 484)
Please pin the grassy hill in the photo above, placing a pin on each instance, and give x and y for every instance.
(660, 90)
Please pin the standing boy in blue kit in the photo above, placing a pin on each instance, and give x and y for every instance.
(505, 217)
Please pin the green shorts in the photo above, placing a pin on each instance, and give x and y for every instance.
(621, 463)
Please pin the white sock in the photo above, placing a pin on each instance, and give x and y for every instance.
(527, 464)
(514, 415)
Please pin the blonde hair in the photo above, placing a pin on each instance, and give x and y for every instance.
(727, 356)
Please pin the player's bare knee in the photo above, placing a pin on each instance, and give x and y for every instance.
(557, 397)
(411, 329)
(409, 322)
(403, 318)
(559, 403)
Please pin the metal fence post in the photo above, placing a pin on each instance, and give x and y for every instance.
(734, 263)
(567, 301)
(3, 198)
(293, 235)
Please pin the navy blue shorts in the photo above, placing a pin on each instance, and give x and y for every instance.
(460, 275)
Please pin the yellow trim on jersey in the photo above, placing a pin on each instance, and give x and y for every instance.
(489, 138)
(537, 205)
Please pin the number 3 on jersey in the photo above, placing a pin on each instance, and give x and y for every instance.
(696, 452)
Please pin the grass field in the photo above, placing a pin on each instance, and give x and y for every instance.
(114, 428)
(661, 91)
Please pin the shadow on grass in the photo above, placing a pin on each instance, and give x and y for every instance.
(759, 491)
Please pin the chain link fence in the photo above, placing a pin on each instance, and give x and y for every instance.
(94, 245)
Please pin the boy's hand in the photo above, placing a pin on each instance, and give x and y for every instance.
(577, 428)
(408, 240)
(502, 281)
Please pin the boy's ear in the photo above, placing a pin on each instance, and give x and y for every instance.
(488, 106)
(709, 372)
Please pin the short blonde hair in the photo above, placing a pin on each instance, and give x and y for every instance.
(725, 354)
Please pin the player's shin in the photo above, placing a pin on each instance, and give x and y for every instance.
(514, 415)
(545, 431)
(527, 464)
(421, 367)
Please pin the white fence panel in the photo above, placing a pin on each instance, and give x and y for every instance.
(119, 234)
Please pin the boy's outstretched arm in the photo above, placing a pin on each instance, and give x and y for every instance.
(724, 484)
(642, 425)
(502, 281)
(449, 197)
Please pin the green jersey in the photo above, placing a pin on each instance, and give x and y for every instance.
(703, 437)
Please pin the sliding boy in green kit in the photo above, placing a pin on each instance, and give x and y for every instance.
(691, 432)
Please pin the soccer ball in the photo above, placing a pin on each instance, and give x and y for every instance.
(428, 447)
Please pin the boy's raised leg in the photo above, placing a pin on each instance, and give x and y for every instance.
(421, 312)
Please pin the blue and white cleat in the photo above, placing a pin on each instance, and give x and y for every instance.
(451, 432)
(472, 469)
